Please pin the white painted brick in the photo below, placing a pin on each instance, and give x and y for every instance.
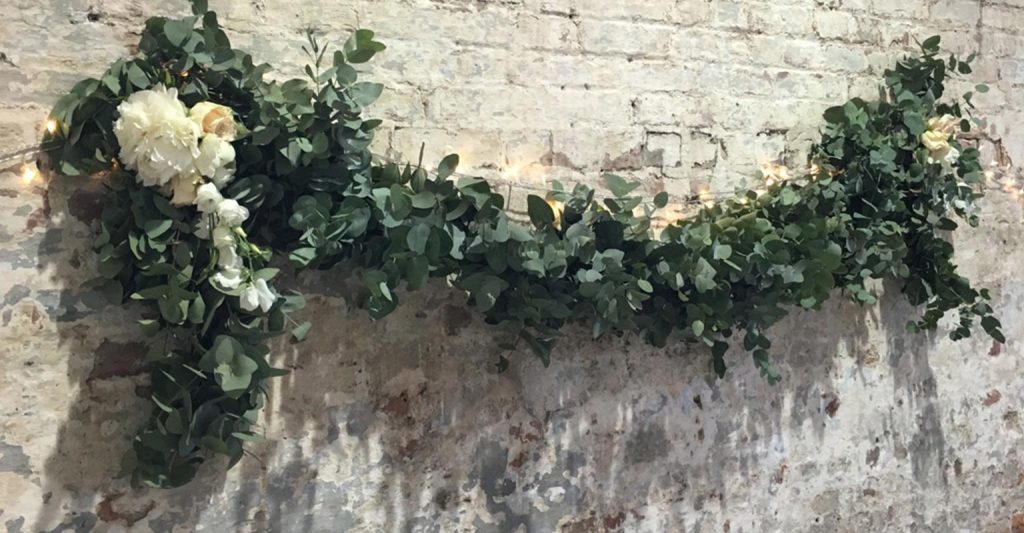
(476, 148)
(917, 9)
(543, 107)
(710, 45)
(402, 63)
(729, 14)
(547, 32)
(699, 149)
(598, 148)
(390, 19)
(693, 12)
(836, 25)
(778, 51)
(400, 104)
(554, 7)
(843, 58)
(656, 10)
(663, 149)
(1002, 44)
(673, 109)
(524, 147)
(1002, 17)
(477, 66)
(780, 19)
(814, 86)
(715, 77)
(851, 5)
(628, 38)
(609, 72)
(964, 13)
(1012, 70)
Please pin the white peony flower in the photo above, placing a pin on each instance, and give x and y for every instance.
(157, 138)
(216, 160)
(215, 119)
(231, 213)
(183, 189)
(208, 198)
(229, 279)
(228, 258)
(257, 294)
(223, 237)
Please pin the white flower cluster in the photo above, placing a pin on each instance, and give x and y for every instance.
(936, 140)
(174, 148)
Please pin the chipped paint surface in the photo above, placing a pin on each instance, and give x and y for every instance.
(403, 425)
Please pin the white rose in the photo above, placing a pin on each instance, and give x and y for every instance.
(216, 160)
(183, 189)
(944, 124)
(202, 228)
(257, 294)
(157, 139)
(953, 156)
(948, 160)
(228, 259)
(208, 198)
(231, 214)
(229, 278)
(223, 237)
(216, 119)
(936, 142)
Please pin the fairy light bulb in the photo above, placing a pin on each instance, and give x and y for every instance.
(512, 172)
(774, 172)
(557, 207)
(29, 173)
(51, 126)
(704, 195)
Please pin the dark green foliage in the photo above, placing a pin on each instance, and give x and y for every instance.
(874, 208)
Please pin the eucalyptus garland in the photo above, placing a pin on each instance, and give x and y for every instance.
(212, 170)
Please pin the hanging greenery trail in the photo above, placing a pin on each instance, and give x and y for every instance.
(874, 206)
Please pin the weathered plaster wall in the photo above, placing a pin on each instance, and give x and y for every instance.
(399, 425)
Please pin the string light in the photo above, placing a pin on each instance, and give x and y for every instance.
(29, 173)
(705, 197)
(509, 174)
(51, 126)
(774, 172)
(557, 207)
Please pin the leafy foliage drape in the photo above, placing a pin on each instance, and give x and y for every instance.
(874, 204)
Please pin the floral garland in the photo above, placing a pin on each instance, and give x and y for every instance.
(212, 170)
(176, 150)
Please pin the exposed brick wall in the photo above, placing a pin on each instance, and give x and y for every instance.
(395, 426)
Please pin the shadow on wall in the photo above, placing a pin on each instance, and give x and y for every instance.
(403, 424)
(105, 382)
